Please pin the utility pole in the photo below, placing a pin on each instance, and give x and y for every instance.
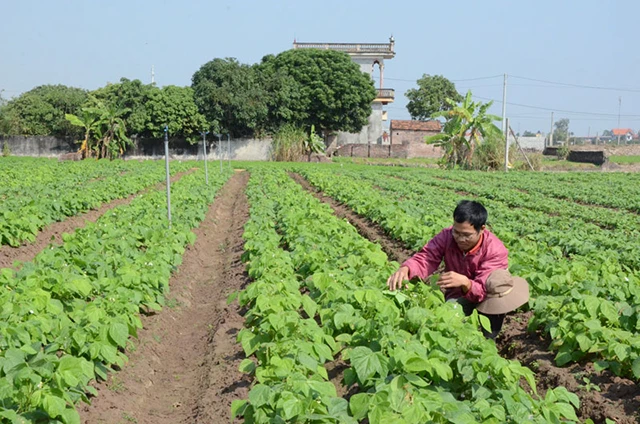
(506, 146)
(153, 75)
(504, 104)
(166, 162)
(204, 146)
(619, 107)
(551, 132)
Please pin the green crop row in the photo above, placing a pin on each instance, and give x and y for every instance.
(411, 356)
(561, 280)
(67, 316)
(25, 211)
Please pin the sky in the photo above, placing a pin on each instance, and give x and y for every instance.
(577, 58)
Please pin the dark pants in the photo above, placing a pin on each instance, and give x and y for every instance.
(495, 320)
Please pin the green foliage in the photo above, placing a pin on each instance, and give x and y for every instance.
(563, 152)
(323, 88)
(561, 131)
(467, 125)
(41, 111)
(6, 150)
(431, 96)
(230, 95)
(145, 109)
(288, 144)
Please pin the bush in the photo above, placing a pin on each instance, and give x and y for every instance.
(489, 156)
(534, 158)
(563, 152)
(288, 144)
(6, 151)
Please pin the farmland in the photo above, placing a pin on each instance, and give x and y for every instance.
(263, 300)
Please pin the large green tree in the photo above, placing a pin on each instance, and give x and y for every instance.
(323, 88)
(146, 109)
(431, 96)
(41, 111)
(231, 97)
(561, 131)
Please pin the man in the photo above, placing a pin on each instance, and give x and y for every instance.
(471, 253)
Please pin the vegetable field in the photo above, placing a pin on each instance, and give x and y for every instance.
(263, 303)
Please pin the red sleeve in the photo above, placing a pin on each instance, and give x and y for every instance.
(497, 259)
(427, 261)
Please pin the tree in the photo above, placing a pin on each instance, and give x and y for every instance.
(41, 111)
(230, 96)
(175, 107)
(607, 133)
(561, 131)
(528, 134)
(324, 88)
(130, 97)
(466, 126)
(431, 96)
(105, 122)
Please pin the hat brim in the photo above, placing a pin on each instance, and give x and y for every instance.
(501, 305)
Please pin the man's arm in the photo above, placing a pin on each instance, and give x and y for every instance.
(422, 264)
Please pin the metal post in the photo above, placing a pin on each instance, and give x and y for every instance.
(504, 104)
(619, 107)
(166, 162)
(219, 149)
(204, 146)
(229, 150)
(506, 146)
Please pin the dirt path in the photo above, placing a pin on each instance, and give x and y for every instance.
(373, 232)
(184, 368)
(618, 398)
(52, 233)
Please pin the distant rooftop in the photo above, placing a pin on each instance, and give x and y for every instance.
(622, 131)
(386, 49)
(413, 125)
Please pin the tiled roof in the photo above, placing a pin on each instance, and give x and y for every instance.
(622, 131)
(412, 125)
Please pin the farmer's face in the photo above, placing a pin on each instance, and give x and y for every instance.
(465, 235)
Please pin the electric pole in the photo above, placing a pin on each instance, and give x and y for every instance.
(619, 107)
(504, 104)
(551, 132)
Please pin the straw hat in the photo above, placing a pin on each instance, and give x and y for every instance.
(505, 293)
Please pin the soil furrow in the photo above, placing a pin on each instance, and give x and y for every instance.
(394, 249)
(52, 233)
(184, 367)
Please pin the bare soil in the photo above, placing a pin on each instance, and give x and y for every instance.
(52, 233)
(184, 366)
(618, 398)
(602, 395)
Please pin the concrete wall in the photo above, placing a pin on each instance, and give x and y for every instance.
(531, 143)
(597, 157)
(370, 133)
(240, 149)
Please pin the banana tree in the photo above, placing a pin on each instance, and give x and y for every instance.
(89, 120)
(466, 126)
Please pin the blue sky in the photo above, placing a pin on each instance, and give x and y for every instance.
(87, 43)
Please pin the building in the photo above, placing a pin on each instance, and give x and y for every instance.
(411, 131)
(368, 56)
(625, 134)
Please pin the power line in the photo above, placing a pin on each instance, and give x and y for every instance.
(593, 87)
(613, 115)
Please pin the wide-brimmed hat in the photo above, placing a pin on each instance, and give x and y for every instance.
(505, 293)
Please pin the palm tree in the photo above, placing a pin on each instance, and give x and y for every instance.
(105, 130)
(89, 120)
(466, 126)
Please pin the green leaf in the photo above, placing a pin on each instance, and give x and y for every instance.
(309, 306)
(247, 366)
(53, 405)
(119, 332)
(70, 416)
(238, 407)
(367, 363)
(260, 395)
(635, 367)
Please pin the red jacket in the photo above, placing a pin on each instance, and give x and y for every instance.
(475, 265)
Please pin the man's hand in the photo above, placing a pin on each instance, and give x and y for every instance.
(398, 277)
(450, 280)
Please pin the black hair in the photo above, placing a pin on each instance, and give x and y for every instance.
(472, 212)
